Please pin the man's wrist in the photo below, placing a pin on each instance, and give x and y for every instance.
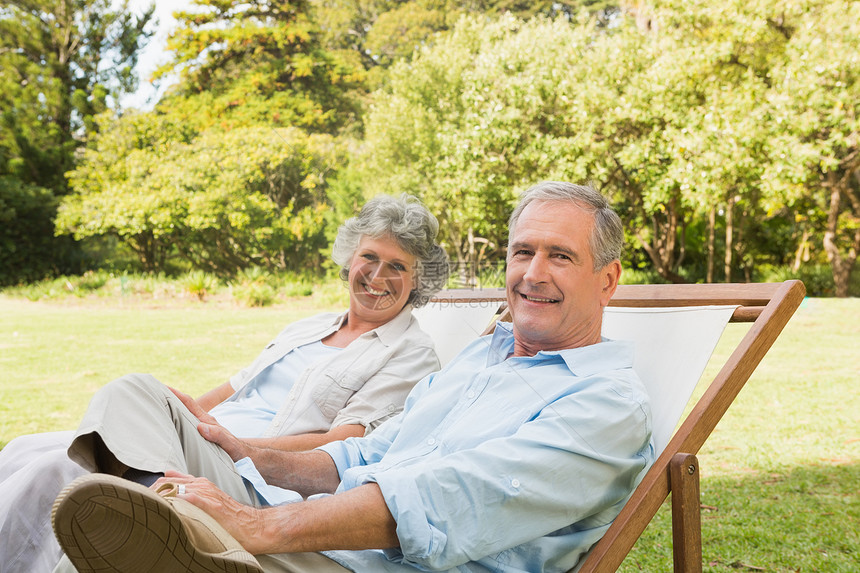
(274, 530)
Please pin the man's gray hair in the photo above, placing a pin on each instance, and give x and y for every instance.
(607, 235)
(412, 226)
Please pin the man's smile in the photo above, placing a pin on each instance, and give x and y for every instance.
(533, 298)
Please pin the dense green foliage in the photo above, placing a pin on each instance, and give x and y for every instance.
(218, 200)
(61, 62)
(726, 133)
(260, 62)
(231, 169)
(688, 125)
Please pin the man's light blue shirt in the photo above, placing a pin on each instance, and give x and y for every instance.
(502, 463)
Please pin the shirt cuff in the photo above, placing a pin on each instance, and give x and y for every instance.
(340, 454)
(420, 541)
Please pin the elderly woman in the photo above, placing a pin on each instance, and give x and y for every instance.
(324, 378)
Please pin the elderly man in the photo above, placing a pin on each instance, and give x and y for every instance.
(516, 456)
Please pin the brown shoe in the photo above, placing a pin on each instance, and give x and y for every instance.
(108, 524)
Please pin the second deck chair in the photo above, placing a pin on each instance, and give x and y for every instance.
(453, 322)
(675, 328)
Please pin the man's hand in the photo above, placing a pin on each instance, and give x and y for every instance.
(355, 519)
(243, 522)
(211, 430)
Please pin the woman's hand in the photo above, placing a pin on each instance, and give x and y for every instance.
(211, 430)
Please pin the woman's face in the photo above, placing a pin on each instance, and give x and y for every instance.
(381, 277)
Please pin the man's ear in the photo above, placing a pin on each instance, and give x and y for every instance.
(610, 275)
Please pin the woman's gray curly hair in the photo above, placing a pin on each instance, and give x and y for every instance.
(408, 222)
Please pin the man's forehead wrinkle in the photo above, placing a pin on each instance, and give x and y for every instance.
(544, 241)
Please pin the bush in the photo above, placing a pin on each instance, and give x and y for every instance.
(91, 281)
(28, 248)
(254, 294)
(299, 288)
(254, 286)
(199, 284)
(641, 277)
(818, 279)
(215, 203)
(80, 286)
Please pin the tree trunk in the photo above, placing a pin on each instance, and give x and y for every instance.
(471, 280)
(64, 45)
(712, 224)
(841, 264)
(801, 255)
(661, 246)
(729, 238)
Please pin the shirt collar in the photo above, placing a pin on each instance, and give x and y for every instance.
(582, 361)
(390, 332)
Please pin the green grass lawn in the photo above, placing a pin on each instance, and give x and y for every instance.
(53, 356)
(780, 475)
(781, 472)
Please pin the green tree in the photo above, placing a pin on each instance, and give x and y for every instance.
(483, 113)
(382, 32)
(680, 120)
(218, 201)
(815, 151)
(686, 132)
(232, 168)
(61, 61)
(397, 33)
(778, 144)
(260, 63)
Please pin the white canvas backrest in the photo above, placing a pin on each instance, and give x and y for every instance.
(453, 325)
(673, 346)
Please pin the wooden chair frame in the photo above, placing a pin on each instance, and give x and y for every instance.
(768, 306)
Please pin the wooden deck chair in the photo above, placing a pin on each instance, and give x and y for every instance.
(769, 307)
(661, 319)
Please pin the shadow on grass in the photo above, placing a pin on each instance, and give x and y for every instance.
(799, 519)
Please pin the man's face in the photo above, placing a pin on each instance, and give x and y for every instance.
(555, 296)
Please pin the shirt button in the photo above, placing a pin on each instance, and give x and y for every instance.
(515, 482)
(431, 441)
(470, 394)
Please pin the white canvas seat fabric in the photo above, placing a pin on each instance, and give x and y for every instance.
(453, 325)
(672, 349)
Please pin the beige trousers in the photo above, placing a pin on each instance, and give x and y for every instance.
(283, 563)
(137, 422)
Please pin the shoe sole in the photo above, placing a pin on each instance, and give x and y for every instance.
(110, 525)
